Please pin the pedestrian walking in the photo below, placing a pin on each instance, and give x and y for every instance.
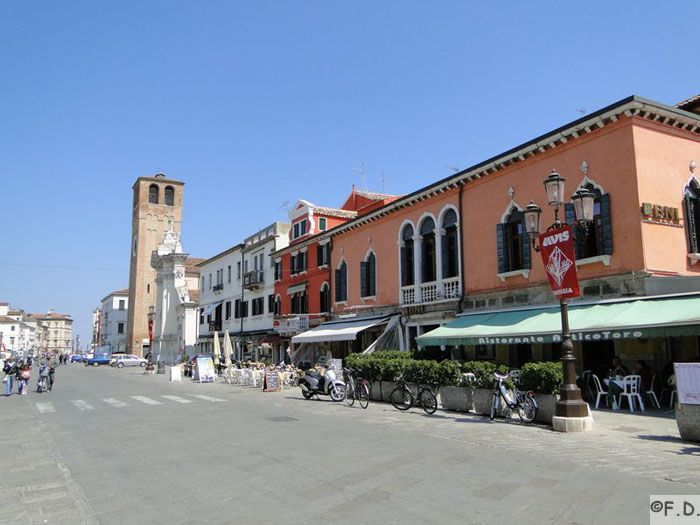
(23, 375)
(10, 370)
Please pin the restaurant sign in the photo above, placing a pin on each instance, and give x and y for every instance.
(603, 335)
(558, 256)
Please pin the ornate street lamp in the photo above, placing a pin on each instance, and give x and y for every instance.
(151, 320)
(570, 403)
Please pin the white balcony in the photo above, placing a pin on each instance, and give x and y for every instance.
(432, 291)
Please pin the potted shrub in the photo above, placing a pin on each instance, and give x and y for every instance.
(545, 379)
(482, 393)
(455, 394)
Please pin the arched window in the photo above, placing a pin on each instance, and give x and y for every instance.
(427, 231)
(153, 194)
(341, 283)
(368, 276)
(691, 203)
(169, 196)
(450, 254)
(513, 244)
(597, 240)
(325, 298)
(407, 277)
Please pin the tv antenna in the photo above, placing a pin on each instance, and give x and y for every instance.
(286, 206)
(383, 181)
(361, 171)
(451, 167)
(582, 111)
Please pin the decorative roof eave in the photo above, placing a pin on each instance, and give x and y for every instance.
(629, 107)
(303, 244)
(219, 255)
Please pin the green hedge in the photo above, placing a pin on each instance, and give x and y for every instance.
(546, 377)
(483, 372)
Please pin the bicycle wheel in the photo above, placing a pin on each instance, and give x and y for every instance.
(527, 409)
(363, 395)
(350, 394)
(494, 405)
(428, 401)
(401, 398)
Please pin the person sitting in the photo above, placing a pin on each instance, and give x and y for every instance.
(618, 369)
(644, 371)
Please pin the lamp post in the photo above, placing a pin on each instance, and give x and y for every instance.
(151, 320)
(570, 403)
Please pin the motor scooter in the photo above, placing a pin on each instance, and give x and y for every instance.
(312, 383)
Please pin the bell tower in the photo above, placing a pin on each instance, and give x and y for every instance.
(157, 208)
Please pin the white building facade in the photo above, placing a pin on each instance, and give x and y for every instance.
(112, 318)
(237, 295)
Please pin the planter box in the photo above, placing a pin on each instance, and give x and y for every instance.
(688, 421)
(457, 398)
(482, 399)
(546, 405)
(380, 390)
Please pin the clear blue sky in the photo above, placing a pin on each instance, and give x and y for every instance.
(257, 103)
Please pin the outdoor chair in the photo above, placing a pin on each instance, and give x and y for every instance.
(631, 393)
(650, 394)
(599, 391)
(516, 374)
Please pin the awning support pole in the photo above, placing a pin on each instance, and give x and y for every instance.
(570, 403)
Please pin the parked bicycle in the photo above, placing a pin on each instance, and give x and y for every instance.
(522, 402)
(355, 388)
(402, 398)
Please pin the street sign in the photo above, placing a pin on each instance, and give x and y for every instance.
(558, 256)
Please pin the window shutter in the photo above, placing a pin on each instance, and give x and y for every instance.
(337, 285)
(319, 255)
(344, 279)
(570, 219)
(501, 242)
(364, 279)
(270, 303)
(690, 211)
(527, 253)
(606, 224)
(404, 266)
(444, 247)
(372, 276)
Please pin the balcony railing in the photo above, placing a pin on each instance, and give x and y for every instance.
(432, 291)
(254, 279)
(218, 287)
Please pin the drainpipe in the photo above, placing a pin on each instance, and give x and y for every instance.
(240, 337)
(461, 247)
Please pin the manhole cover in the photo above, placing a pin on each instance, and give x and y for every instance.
(282, 419)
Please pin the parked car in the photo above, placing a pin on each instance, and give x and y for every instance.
(129, 360)
(114, 357)
(98, 359)
(76, 358)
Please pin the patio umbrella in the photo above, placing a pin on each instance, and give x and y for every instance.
(228, 348)
(217, 348)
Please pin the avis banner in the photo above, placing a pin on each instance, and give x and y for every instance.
(559, 258)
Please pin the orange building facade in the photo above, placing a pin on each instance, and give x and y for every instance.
(459, 245)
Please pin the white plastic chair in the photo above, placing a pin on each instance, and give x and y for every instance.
(651, 394)
(672, 383)
(632, 387)
(599, 391)
(516, 374)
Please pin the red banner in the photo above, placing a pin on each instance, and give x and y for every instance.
(559, 258)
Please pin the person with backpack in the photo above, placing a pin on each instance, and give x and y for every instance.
(10, 370)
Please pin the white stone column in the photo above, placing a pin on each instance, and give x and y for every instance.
(417, 264)
(439, 232)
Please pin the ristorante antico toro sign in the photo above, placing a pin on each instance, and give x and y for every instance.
(558, 256)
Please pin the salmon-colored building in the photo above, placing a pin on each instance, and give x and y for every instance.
(459, 246)
(303, 271)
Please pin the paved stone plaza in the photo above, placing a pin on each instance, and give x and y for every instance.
(114, 446)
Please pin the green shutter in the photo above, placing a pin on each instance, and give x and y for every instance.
(606, 224)
(364, 279)
(501, 248)
(527, 253)
(444, 248)
(337, 285)
(690, 211)
(372, 275)
(579, 233)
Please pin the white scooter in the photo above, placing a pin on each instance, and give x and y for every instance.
(312, 383)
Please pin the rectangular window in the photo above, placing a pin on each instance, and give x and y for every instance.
(296, 231)
(210, 281)
(122, 304)
(229, 273)
(244, 308)
(293, 265)
(202, 283)
(120, 328)
(270, 304)
(245, 266)
(228, 309)
(237, 309)
(323, 254)
(322, 224)
(302, 227)
(201, 312)
(278, 270)
(238, 272)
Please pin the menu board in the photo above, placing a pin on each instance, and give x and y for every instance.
(272, 382)
(688, 383)
(204, 371)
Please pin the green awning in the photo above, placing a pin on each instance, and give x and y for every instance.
(637, 318)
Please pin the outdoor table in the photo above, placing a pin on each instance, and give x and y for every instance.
(617, 386)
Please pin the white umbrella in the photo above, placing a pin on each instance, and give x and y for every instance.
(228, 348)
(217, 348)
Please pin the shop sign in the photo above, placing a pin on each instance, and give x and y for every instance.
(603, 335)
(657, 214)
(558, 256)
